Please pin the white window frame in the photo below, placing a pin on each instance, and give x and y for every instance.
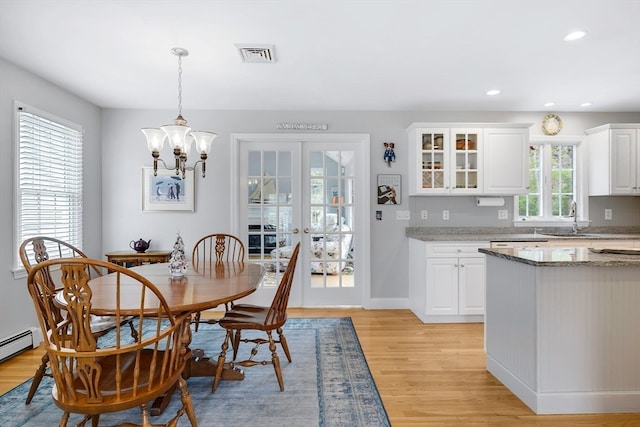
(69, 183)
(581, 183)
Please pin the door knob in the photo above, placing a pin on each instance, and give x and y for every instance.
(295, 231)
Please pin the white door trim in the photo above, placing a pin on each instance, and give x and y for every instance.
(362, 243)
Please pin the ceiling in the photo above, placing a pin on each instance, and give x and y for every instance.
(384, 55)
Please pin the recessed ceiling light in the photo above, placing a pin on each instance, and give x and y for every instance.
(586, 104)
(576, 35)
(549, 104)
(493, 92)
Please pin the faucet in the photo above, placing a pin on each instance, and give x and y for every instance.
(574, 214)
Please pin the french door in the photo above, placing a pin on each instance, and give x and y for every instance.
(311, 190)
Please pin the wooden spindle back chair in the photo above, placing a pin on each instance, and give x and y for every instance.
(121, 374)
(211, 249)
(38, 249)
(266, 319)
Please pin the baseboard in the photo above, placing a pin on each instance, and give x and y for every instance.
(599, 402)
(388, 303)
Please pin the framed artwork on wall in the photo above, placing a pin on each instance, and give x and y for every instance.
(167, 191)
(389, 190)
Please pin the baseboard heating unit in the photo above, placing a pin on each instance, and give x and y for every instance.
(19, 342)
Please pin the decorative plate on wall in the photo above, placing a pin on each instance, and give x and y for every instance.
(551, 124)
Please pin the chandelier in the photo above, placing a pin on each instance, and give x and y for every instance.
(180, 136)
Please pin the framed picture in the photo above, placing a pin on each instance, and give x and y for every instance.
(389, 190)
(167, 191)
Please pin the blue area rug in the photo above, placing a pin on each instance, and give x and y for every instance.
(328, 384)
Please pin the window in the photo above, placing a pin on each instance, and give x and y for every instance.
(49, 178)
(553, 183)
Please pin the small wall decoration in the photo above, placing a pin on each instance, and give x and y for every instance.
(302, 126)
(551, 124)
(389, 190)
(167, 191)
(389, 154)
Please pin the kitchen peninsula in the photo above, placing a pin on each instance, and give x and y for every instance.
(561, 327)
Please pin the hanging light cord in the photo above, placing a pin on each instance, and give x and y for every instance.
(179, 85)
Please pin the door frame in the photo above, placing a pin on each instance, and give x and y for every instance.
(362, 243)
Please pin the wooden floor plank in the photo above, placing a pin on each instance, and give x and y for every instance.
(427, 375)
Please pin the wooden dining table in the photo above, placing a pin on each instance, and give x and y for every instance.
(212, 285)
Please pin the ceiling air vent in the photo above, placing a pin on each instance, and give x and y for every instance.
(257, 53)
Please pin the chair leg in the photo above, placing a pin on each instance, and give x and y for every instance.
(196, 320)
(283, 343)
(134, 333)
(64, 419)
(37, 377)
(187, 402)
(146, 418)
(275, 360)
(236, 343)
(95, 420)
(221, 358)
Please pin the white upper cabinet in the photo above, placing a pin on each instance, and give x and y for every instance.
(506, 160)
(452, 158)
(614, 159)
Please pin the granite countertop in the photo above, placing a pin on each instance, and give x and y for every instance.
(512, 234)
(564, 257)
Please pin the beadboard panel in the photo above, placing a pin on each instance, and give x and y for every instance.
(588, 329)
(565, 339)
(510, 318)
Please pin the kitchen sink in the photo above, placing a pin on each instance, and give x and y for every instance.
(570, 234)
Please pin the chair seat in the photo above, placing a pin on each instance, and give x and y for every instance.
(107, 383)
(101, 324)
(252, 317)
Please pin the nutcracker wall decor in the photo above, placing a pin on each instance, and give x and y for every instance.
(389, 154)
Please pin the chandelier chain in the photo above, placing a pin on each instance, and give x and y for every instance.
(179, 85)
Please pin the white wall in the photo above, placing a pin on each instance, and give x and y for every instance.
(112, 178)
(16, 308)
(123, 220)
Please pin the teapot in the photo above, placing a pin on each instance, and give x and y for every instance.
(139, 246)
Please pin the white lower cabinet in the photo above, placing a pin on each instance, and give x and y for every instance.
(447, 281)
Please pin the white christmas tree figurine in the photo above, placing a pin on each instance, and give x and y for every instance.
(178, 261)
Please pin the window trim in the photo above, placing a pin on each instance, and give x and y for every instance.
(582, 189)
(17, 268)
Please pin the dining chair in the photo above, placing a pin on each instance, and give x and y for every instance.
(120, 374)
(257, 318)
(38, 249)
(212, 249)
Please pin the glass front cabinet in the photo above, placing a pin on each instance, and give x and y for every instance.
(446, 161)
(468, 159)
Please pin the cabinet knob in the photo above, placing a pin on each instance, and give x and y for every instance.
(461, 265)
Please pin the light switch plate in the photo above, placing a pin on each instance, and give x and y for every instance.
(403, 215)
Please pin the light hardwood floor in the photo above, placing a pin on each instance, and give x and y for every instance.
(427, 375)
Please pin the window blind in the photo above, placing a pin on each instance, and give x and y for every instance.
(49, 177)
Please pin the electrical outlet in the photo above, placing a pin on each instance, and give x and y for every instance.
(424, 214)
(608, 214)
(503, 214)
(445, 215)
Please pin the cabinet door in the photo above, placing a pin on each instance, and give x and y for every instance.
(506, 156)
(442, 286)
(433, 168)
(624, 161)
(471, 277)
(466, 161)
